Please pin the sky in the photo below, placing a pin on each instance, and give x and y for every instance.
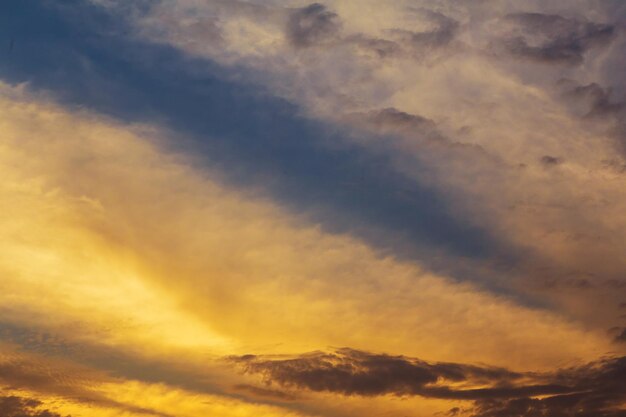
(278, 208)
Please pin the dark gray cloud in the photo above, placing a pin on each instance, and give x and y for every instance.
(621, 336)
(38, 377)
(395, 122)
(422, 131)
(595, 100)
(554, 39)
(13, 406)
(391, 118)
(352, 372)
(311, 25)
(548, 160)
(595, 389)
(445, 31)
(406, 43)
(596, 103)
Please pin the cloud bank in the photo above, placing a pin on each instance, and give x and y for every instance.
(594, 389)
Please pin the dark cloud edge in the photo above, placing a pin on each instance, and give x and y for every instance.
(596, 389)
(17, 406)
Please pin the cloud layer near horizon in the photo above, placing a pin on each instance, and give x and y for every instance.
(589, 390)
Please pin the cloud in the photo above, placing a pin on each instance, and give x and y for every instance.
(348, 372)
(61, 379)
(13, 406)
(445, 31)
(599, 101)
(312, 25)
(597, 389)
(594, 389)
(551, 38)
(394, 119)
(261, 392)
(621, 336)
(550, 160)
(352, 372)
(47, 377)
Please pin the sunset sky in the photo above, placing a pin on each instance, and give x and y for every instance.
(278, 208)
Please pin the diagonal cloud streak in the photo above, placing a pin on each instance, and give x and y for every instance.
(236, 126)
